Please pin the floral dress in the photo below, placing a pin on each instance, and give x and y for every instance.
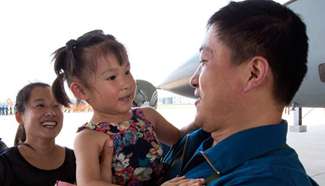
(137, 152)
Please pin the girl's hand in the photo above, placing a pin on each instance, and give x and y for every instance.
(183, 181)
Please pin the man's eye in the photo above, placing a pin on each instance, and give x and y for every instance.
(111, 78)
(127, 72)
(203, 62)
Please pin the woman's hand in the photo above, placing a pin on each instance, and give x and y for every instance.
(183, 181)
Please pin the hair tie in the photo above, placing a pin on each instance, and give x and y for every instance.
(61, 76)
(72, 44)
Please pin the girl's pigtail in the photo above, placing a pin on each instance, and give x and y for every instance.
(59, 92)
(63, 68)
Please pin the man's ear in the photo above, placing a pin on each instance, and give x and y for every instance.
(78, 90)
(257, 70)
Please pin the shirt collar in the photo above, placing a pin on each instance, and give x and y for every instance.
(245, 145)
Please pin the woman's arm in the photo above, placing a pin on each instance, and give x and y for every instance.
(88, 147)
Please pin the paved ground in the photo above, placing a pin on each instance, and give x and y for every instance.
(310, 145)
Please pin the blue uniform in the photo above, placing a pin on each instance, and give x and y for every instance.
(257, 156)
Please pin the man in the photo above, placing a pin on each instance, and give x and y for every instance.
(253, 61)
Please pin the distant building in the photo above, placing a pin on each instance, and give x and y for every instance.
(171, 98)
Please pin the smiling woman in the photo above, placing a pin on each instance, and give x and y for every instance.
(36, 159)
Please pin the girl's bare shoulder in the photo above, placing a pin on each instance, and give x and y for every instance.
(89, 137)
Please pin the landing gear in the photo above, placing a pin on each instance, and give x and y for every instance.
(297, 119)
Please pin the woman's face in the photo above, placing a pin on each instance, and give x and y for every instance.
(43, 115)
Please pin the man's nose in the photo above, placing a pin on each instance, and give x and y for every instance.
(194, 81)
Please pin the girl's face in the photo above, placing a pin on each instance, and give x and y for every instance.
(112, 88)
(43, 115)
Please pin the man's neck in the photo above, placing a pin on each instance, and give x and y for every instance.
(242, 123)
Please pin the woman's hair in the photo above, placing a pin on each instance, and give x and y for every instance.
(22, 99)
(78, 58)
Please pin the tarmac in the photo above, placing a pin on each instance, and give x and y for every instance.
(310, 145)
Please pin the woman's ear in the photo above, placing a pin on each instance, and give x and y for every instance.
(257, 70)
(19, 117)
(78, 90)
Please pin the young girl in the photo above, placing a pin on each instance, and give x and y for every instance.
(97, 70)
(36, 159)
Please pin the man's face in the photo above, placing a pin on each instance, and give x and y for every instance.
(217, 83)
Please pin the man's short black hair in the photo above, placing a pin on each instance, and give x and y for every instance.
(266, 28)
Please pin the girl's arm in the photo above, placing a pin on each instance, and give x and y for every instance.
(166, 132)
(88, 146)
(189, 128)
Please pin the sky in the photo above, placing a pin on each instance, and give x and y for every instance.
(160, 35)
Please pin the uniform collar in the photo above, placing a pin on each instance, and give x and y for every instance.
(242, 146)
